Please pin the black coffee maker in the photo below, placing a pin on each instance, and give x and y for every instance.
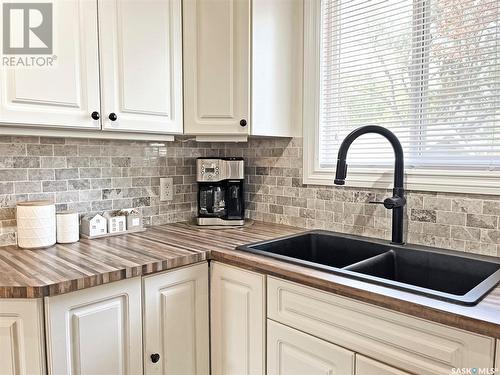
(220, 191)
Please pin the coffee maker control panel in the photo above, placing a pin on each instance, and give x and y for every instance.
(213, 170)
(210, 171)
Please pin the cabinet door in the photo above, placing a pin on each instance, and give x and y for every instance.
(366, 366)
(96, 331)
(65, 94)
(176, 321)
(277, 67)
(290, 352)
(21, 337)
(237, 321)
(216, 66)
(497, 360)
(141, 65)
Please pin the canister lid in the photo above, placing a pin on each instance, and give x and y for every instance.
(67, 212)
(36, 203)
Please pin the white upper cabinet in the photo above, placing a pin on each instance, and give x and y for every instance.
(216, 66)
(65, 94)
(243, 67)
(121, 59)
(277, 67)
(141, 65)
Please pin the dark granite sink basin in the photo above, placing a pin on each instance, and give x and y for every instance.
(319, 249)
(440, 274)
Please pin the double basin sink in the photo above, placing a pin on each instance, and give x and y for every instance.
(440, 274)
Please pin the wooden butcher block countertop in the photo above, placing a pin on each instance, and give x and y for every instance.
(66, 268)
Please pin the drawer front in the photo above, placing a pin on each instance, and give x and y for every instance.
(367, 366)
(409, 343)
(291, 352)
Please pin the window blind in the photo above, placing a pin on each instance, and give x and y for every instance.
(429, 70)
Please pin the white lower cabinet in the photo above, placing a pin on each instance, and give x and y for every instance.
(237, 321)
(176, 328)
(497, 361)
(101, 331)
(411, 344)
(21, 337)
(291, 352)
(96, 331)
(367, 366)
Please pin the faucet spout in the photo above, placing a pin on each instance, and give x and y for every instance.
(397, 202)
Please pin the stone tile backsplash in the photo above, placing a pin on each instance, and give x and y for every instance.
(275, 193)
(91, 175)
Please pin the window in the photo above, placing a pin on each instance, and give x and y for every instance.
(429, 70)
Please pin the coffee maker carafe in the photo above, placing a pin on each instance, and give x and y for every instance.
(220, 191)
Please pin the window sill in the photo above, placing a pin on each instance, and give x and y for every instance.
(479, 182)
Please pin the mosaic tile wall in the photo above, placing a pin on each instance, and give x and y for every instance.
(95, 175)
(275, 193)
(89, 175)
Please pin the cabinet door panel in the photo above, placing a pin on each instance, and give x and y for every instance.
(366, 366)
(238, 321)
(65, 94)
(176, 321)
(290, 352)
(277, 67)
(216, 62)
(141, 65)
(21, 337)
(96, 330)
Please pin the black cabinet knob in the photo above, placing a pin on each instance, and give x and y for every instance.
(113, 116)
(243, 122)
(155, 357)
(95, 115)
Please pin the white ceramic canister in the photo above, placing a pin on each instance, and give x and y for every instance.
(68, 229)
(36, 224)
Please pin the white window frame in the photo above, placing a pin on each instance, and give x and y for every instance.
(452, 181)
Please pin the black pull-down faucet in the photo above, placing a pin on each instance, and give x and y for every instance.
(395, 203)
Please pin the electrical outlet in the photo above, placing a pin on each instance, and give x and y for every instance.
(166, 189)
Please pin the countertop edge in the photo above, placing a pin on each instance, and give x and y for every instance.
(74, 285)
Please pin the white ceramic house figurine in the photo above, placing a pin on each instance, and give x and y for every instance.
(134, 219)
(117, 222)
(93, 225)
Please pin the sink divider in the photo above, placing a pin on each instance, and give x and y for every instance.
(368, 262)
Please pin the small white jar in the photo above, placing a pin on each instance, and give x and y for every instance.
(68, 230)
(36, 224)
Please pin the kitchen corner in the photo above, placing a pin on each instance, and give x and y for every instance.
(250, 187)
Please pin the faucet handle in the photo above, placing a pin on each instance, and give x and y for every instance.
(392, 202)
(382, 203)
